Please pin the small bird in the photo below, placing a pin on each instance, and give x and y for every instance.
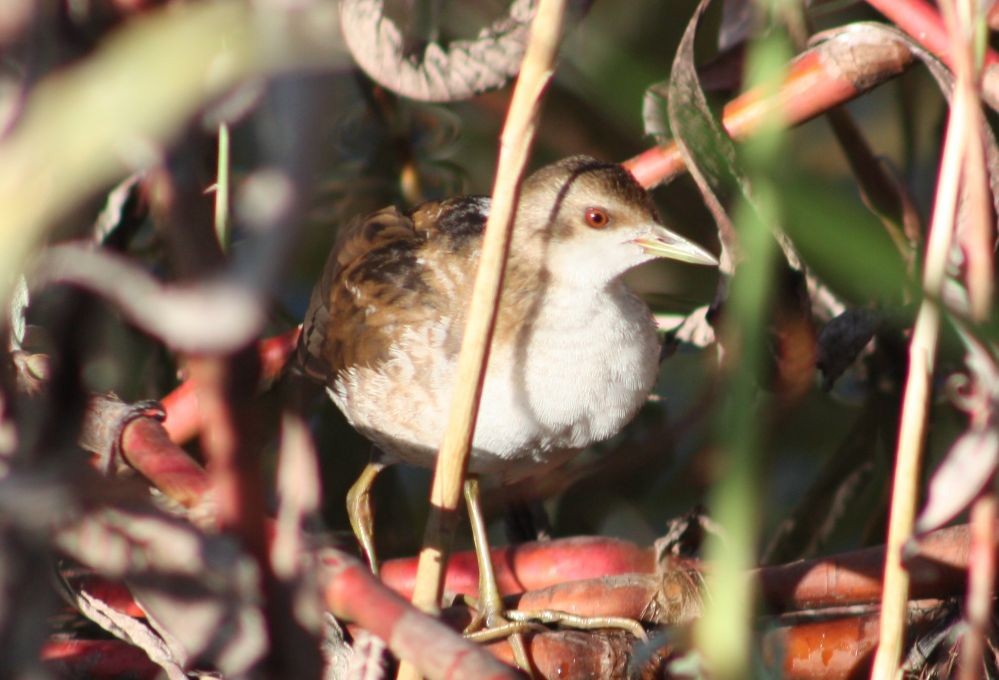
(575, 352)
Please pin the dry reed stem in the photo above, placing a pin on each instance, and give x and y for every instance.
(515, 143)
(962, 131)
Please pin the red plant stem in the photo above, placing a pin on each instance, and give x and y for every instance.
(183, 415)
(808, 90)
(183, 421)
(623, 595)
(828, 649)
(626, 595)
(835, 649)
(921, 21)
(531, 566)
(855, 577)
(672, 597)
(352, 593)
(147, 447)
(816, 81)
(832, 649)
(275, 352)
(115, 594)
(850, 578)
(228, 443)
(98, 659)
(231, 441)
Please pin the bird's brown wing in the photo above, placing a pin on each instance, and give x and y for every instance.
(383, 275)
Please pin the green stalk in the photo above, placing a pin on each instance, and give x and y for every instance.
(724, 634)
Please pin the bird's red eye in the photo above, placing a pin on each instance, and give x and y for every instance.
(597, 218)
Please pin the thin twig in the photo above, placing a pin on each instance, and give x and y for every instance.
(961, 131)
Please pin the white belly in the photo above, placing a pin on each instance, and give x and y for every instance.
(574, 377)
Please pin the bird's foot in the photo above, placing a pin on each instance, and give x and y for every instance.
(490, 624)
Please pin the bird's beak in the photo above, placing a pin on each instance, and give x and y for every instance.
(661, 242)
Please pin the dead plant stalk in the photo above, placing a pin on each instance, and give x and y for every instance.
(515, 144)
(963, 130)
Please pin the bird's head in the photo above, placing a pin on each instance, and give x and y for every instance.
(591, 221)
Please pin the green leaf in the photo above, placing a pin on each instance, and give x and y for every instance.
(843, 244)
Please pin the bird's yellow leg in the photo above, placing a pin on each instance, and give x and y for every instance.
(359, 511)
(499, 622)
(490, 602)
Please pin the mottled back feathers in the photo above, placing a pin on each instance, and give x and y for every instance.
(382, 276)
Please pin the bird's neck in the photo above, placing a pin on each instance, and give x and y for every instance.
(534, 299)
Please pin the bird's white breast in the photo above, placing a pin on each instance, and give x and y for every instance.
(573, 375)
